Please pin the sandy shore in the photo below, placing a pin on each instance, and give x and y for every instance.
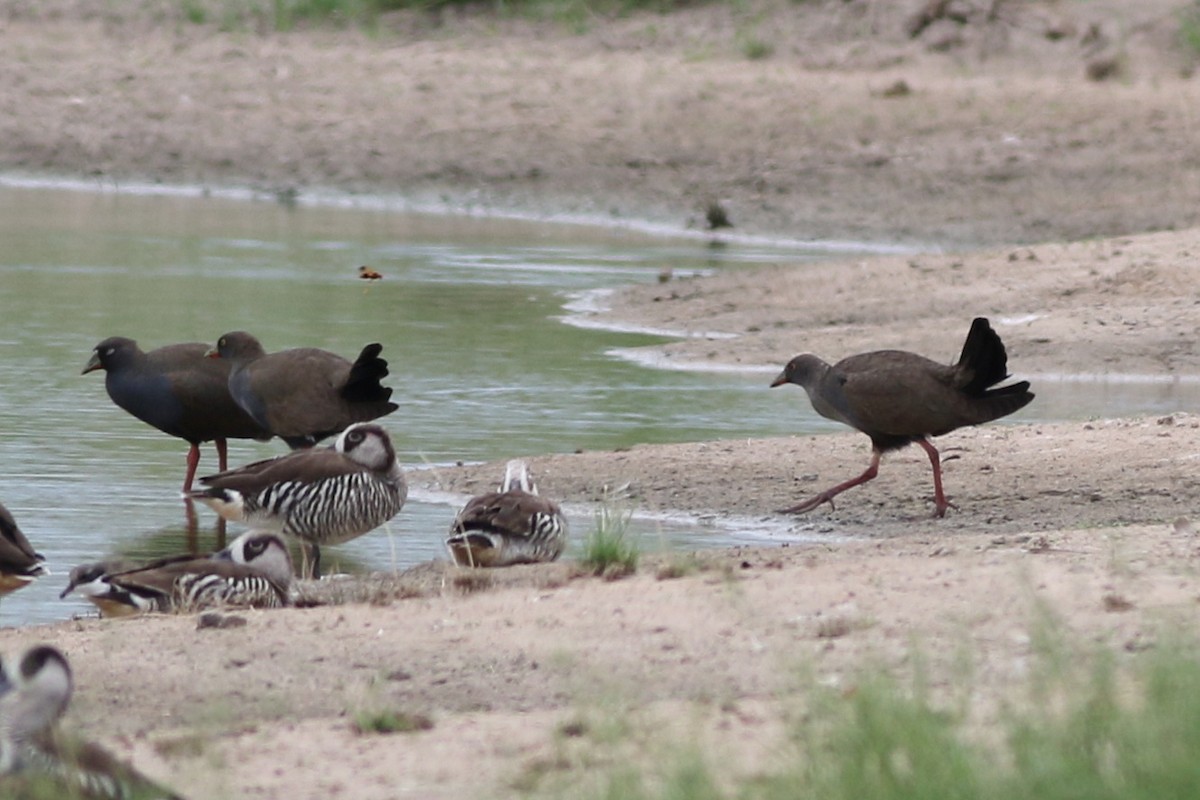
(1036, 184)
(983, 132)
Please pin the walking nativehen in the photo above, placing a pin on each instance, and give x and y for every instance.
(304, 395)
(177, 390)
(323, 496)
(255, 571)
(898, 398)
(19, 564)
(36, 759)
(510, 526)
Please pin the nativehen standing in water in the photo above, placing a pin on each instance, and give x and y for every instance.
(177, 390)
(897, 398)
(511, 526)
(323, 496)
(304, 395)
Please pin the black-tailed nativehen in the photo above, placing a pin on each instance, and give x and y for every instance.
(896, 398)
(177, 390)
(305, 394)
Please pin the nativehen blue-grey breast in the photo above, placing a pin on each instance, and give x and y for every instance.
(255, 571)
(19, 563)
(322, 496)
(514, 525)
(305, 394)
(896, 398)
(36, 759)
(177, 390)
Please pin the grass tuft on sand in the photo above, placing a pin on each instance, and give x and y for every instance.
(608, 549)
(1092, 724)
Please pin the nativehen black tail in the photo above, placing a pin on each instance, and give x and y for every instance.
(983, 358)
(368, 397)
(983, 364)
(363, 386)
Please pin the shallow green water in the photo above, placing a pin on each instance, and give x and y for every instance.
(470, 314)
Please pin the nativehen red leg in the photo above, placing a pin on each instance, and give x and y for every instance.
(940, 503)
(828, 495)
(193, 461)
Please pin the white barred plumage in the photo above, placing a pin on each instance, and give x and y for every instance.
(255, 571)
(510, 526)
(199, 591)
(305, 394)
(36, 760)
(324, 496)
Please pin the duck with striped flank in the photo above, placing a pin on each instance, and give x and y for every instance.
(255, 571)
(177, 390)
(19, 563)
(323, 496)
(36, 759)
(305, 394)
(513, 525)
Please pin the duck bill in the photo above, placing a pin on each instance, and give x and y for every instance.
(222, 555)
(92, 365)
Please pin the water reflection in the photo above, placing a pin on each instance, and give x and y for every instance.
(191, 528)
(469, 313)
(466, 312)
